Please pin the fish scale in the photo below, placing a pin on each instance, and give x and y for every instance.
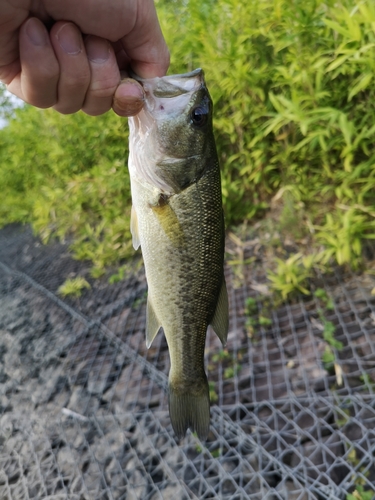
(177, 219)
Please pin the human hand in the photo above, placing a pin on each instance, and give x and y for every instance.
(77, 63)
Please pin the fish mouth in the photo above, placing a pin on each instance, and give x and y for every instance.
(166, 99)
(183, 76)
(172, 85)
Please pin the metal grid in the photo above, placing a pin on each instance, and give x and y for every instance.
(83, 408)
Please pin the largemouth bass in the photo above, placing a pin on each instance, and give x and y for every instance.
(177, 219)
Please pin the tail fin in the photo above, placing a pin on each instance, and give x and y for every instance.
(190, 408)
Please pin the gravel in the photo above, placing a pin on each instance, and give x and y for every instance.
(83, 406)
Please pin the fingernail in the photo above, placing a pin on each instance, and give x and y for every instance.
(131, 88)
(36, 33)
(97, 49)
(69, 39)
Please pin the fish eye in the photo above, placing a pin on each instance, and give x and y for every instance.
(199, 116)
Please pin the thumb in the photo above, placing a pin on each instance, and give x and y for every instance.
(129, 98)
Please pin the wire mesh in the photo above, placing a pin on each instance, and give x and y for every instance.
(83, 408)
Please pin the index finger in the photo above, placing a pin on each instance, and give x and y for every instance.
(9, 55)
(145, 44)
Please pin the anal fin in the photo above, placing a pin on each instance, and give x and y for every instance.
(152, 324)
(220, 321)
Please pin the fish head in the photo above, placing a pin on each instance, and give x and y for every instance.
(172, 137)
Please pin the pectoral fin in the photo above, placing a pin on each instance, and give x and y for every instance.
(220, 321)
(152, 324)
(134, 229)
(169, 222)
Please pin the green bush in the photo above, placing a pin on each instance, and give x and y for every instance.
(294, 89)
(68, 176)
(293, 84)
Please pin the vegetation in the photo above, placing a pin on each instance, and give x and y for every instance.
(73, 287)
(360, 494)
(293, 83)
(67, 175)
(6, 105)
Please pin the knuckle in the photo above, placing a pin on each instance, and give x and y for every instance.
(40, 101)
(102, 88)
(44, 74)
(40, 96)
(66, 109)
(75, 82)
(98, 110)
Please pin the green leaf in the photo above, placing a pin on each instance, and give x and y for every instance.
(338, 28)
(339, 61)
(361, 84)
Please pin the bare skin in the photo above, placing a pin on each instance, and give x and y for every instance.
(73, 55)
